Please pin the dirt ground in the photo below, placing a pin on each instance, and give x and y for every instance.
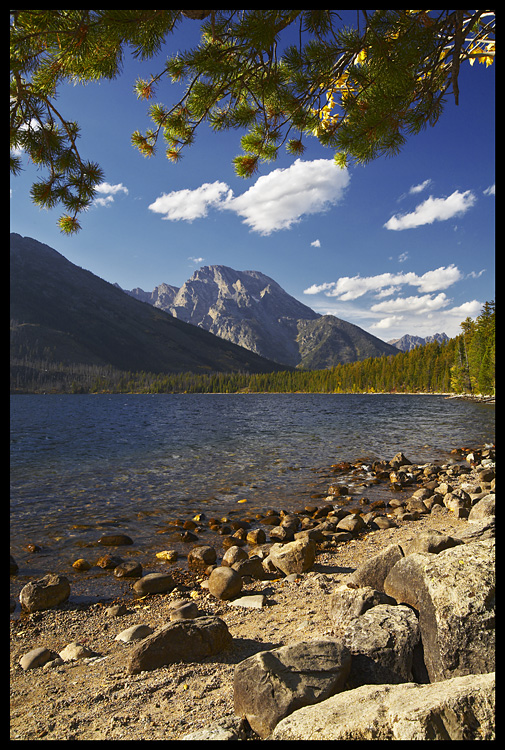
(96, 699)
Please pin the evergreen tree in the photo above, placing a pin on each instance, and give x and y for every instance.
(360, 91)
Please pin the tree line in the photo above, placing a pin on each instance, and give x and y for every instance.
(464, 364)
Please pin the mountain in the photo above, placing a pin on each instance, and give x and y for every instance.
(253, 310)
(408, 342)
(63, 313)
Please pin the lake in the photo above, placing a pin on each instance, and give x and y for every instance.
(86, 465)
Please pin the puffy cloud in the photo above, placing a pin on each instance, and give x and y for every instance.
(433, 209)
(275, 201)
(316, 243)
(281, 198)
(418, 304)
(108, 191)
(190, 204)
(351, 287)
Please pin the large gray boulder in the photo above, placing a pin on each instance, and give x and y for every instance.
(273, 684)
(182, 640)
(44, 593)
(382, 643)
(458, 709)
(454, 593)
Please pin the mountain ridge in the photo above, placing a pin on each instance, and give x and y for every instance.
(69, 315)
(253, 310)
(408, 341)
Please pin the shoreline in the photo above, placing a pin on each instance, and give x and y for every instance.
(95, 698)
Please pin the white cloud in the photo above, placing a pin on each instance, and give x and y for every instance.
(196, 260)
(433, 209)
(419, 188)
(281, 198)
(415, 304)
(403, 257)
(108, 191)
(490, 190)
(191, 204)
(275, 201)
(316, 243)
(351, 287)
(317, 288)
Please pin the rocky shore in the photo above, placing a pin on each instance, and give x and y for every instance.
(345, 620)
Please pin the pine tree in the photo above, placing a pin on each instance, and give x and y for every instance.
(360, 91)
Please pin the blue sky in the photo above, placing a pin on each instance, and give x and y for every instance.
(401, 245)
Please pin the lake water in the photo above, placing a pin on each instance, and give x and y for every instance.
(85, 465)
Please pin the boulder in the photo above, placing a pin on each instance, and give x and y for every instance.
(272, 684)
(353, 523)
(44, 593)
(347, 603)
(154, 583)
(382, 643)
(185, 640)
(199, 558)
(483, 509)
(256, 536)
(458, 709)
(225, 583)
(374, 571)
(232, 555)
(454, 593)
(293, 557)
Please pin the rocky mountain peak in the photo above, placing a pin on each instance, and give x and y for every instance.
(254, 311)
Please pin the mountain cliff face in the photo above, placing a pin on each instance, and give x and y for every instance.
(66, 314)
(408, 342)
(252, 310)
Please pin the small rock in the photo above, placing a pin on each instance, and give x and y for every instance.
(75, 651)
(115, 540)
(169, 555)
(128, 569)
(183, 609)
(37, 657)
(253, 601)
(116, 610)
(108, 562)
(154, 583)
(81, 564)
(134, 633)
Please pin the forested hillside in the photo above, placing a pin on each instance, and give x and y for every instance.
(464, 364)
